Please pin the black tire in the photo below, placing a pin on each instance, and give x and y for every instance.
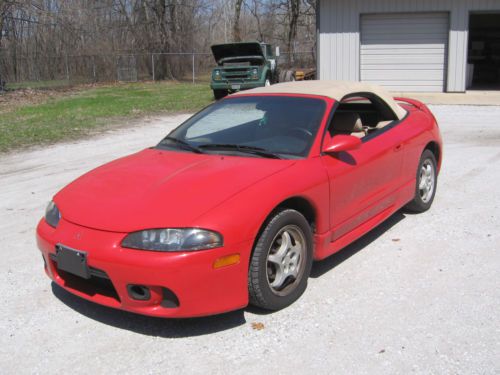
(219, 94)
(261, 293)
(422, 202)
(282, 76)
(290, 76)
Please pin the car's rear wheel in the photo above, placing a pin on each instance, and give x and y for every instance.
(219, 94)
(281, 261)
(425, 189)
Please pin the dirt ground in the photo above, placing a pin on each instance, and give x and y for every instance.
(419, 294)
(15, 99)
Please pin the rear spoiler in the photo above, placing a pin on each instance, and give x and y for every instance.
(417, 104)
(413, 102)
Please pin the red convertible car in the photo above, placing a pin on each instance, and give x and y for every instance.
(233, 206)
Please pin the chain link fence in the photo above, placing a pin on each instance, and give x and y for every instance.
(40, 71)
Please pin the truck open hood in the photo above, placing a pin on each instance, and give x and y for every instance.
(236, 50)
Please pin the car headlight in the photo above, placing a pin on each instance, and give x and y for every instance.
(217, 75)
(255, 73)
(182, 239)
(52, 214)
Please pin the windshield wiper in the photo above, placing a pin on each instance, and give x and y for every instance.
(182, 143)
(242, 148)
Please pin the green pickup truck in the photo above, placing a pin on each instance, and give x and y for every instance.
(242, 66)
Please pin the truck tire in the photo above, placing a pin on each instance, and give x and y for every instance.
(282, 76)
(219, 94)
(290, 76)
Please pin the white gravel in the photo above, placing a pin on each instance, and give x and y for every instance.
(420, 294)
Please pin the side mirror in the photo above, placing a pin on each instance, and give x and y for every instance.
(277, 54)
(341, 143)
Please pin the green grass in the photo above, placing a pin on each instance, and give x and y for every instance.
(89, 111)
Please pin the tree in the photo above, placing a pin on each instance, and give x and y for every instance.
(5, 11)
(236, 24)
(44, 39)
(293, 17)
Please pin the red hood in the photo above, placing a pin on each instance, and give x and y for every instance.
(158, 189)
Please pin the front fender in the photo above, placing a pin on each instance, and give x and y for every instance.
(240, 217)
(266, 72)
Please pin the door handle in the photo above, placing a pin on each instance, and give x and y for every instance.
(398, 147)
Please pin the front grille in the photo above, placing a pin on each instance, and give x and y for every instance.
(235, 76)
(236, 73)
(94, 285)
(232, 69)
(99, 282)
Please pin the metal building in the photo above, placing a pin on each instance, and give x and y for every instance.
(411, 45)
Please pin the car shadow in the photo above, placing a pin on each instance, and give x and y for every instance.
(321, 267)
(150, 326)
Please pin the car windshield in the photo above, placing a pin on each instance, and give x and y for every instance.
(265, 126)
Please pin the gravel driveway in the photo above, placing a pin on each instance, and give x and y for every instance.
(421, 293)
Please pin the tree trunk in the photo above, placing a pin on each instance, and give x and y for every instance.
(294, 13)
(236, 24)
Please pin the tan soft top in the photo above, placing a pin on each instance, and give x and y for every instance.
(332, 89)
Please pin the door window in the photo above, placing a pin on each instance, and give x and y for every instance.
(361, 115)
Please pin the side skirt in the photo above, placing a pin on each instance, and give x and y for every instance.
(324, 247)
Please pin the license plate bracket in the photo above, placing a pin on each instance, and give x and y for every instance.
(72, 261)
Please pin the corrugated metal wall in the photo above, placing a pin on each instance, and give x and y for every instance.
(339, 33)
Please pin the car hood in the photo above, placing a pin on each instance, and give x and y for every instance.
(236, 50)
(158, 188)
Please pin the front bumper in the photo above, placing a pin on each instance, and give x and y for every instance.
(198, 287)
(236, 85)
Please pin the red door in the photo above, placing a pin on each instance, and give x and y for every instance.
(364, 182)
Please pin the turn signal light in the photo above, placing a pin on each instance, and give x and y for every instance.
(226, 260)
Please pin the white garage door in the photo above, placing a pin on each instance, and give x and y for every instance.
(405, 52)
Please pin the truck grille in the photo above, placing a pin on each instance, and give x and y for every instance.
(236, 73)
(237, 70)
(235, 76)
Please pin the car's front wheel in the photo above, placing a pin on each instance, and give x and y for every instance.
(425, 189)
(281, 261)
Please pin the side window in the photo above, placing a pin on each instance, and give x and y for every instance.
(346, 122)
(360, 114)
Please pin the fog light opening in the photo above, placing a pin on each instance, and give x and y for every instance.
(139, 292)
(170, 300)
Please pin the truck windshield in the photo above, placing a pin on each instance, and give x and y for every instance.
(279, 125)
